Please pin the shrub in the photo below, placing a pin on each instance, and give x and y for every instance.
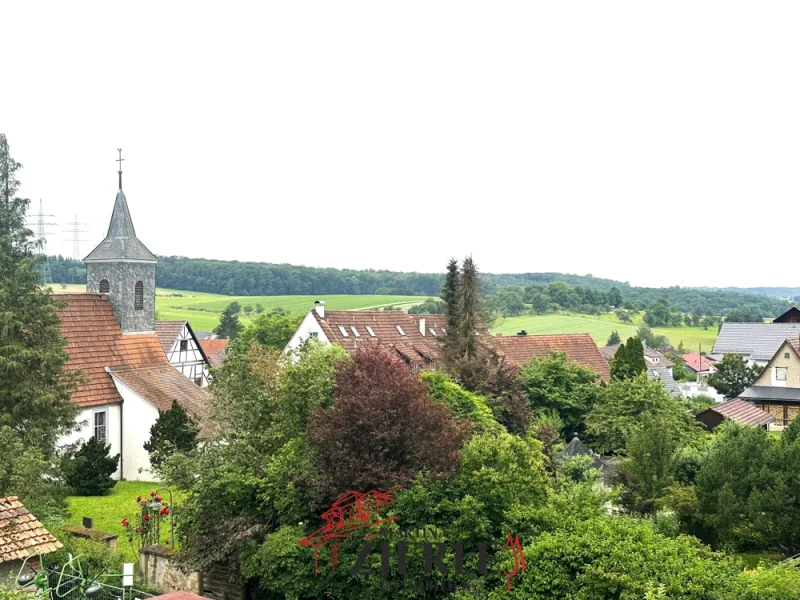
(88, 470)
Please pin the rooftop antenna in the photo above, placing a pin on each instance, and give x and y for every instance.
(41, 242)
(119, 160)
(76, 240)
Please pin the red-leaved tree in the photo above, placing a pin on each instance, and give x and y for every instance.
(382, 428)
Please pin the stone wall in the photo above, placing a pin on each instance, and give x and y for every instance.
(157, 570)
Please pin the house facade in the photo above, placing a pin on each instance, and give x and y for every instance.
(756, 342)
(776, 391)
(183, 350)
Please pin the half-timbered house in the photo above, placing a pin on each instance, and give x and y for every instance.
(183, 350)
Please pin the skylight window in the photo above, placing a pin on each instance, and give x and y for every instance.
(400, 330)
(343, 331)
(355, 331)
(433, 332)
(369, 331)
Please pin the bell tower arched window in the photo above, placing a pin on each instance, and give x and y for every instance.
(104, 287)
(138, 298)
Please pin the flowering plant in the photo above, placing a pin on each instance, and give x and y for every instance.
(144, 528)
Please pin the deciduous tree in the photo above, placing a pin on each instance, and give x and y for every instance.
(733, 376)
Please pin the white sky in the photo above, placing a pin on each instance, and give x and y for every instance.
(650, 142)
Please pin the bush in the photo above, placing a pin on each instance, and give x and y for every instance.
(88, 471)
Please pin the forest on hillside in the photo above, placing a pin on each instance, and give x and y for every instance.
(264, 279)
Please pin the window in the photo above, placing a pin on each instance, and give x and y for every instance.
(444, 331)
(785, 355)
(314, 335)
(343, 331)
(100, 426)
(432, 331)
(780, 373)
(369, 331)
(198, 379)
(184, 345)
(104, 287)
(138, 297)
(355, 331)
(400, 330)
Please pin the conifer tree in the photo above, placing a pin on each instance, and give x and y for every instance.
(469, 309)
(629, 361)
(34, 389)
(449, 295)
(229, 326)
(613, 339)
(88, 471)
(173, 431)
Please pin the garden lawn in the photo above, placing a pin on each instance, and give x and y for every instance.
(108, 511)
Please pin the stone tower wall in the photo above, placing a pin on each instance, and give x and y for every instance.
(122, 278)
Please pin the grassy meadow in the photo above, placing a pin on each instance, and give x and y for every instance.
(202, 310)
(601, 326)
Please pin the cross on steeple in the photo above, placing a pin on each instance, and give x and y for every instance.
(119, 160)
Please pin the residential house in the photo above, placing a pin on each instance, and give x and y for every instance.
(215, 350)
(777, 389)
(607, 466)
(651, 356)
(756, 342)
(112, 340)
(184, 350)
(664, 375)
(697, 364)
(21, 535)
(409, 336)
(790, 316)
(519, 349)
(738, 410)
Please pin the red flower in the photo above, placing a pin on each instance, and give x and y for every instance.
(125, 522)
(164, 511)
(158, 499)
(152, 494)
(147, 517)
(138, 498)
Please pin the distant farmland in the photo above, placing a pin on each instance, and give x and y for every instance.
(202, 310)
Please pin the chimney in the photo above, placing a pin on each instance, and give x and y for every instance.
(319, 306)
(422, 325)
(523, 333)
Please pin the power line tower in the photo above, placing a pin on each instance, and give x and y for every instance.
(41, 242)
(76, 240)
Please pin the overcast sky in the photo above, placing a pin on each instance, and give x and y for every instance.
(655, 143)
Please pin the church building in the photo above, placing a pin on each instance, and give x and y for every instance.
(113, 340)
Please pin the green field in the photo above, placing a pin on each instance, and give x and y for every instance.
(108, 511)
(202, 310)
(601, 326)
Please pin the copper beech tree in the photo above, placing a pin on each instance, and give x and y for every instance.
(382, 428)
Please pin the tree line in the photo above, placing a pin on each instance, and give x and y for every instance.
(510, 294)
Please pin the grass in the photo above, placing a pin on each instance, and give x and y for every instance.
(601, 326)
(107, 512)
(202, 309)
(752, 560)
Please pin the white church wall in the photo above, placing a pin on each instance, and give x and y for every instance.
(138, 417)
(86, 428)
(308, 327)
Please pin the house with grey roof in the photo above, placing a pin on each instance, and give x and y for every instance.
(665, 376)
(757, 342)
(776, 391)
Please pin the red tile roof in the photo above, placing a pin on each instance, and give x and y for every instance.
(698, 362)
(348, 329)
(579, 347)
(160, 385)
(21, 534)
(742, 412)
(95, 341)
(214, 350)
(179, 596)
(167, 332)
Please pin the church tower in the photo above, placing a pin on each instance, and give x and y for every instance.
(124, 269)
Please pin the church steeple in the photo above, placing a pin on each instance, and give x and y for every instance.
(122, 267)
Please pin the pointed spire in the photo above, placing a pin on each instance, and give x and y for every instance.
(121, 242)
